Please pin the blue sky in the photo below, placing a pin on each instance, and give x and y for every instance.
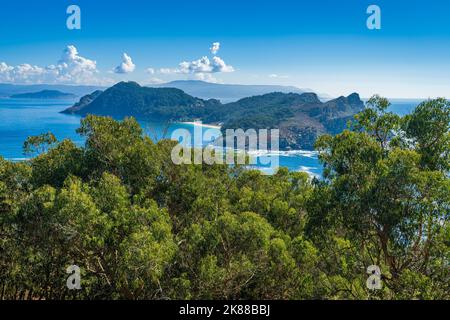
(323, 45)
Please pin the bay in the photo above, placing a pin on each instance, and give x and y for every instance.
(21, 118)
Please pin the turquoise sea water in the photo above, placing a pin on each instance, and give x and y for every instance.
(20, 118)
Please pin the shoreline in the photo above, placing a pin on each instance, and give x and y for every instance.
(197, 123)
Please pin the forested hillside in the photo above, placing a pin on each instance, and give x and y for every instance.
(301, 118)
(130, 99)
(140, 227)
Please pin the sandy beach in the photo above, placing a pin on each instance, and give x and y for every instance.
(212, 126)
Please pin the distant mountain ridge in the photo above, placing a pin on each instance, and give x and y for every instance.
(44, 94)
(7, 90)
(301, 118)
(229, 92)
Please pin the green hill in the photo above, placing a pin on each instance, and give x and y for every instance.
(301, 118)
(130, 99)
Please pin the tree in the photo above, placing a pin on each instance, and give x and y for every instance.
(39, 144)
(383, 198)
(428, 129)
(141, 227)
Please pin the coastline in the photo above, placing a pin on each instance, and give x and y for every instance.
(198, 123)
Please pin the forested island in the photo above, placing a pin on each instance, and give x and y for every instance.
(301, 118)
(44, 94)
(140, 227)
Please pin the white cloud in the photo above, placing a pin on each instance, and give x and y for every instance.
(206, 77)
(220, 65)
(73, 68)
(200, 66)
(156, 81)
(150, 70)
(215, 48)
(274, 75)
(70, 69)
(23, 73)
(168, 71)
(127, 65)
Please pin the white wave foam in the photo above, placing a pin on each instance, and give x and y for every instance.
(308, 170)
(291, 153)
(17, 159)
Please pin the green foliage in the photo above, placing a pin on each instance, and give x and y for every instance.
(387, 192)
(141, 227)
(428, 128)
(130, 99)
(39, 144)
(119, 148)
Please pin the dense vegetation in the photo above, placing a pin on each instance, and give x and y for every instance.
(301, 118)
(140, 227)
(130, 99)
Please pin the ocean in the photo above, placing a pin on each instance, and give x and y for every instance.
(21, 118)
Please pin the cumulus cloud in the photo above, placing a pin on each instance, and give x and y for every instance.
(70, 69)
(24, 73)
(201, 66)
(215, 48)
(168, 71)
(220, 66)
(208, 77)
(73, 68)
(156, 81)
(127, 65)
(274, 75)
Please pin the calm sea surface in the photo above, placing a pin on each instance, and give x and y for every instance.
(20, 118)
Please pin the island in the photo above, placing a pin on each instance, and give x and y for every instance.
(301, 118)
(44, 94)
